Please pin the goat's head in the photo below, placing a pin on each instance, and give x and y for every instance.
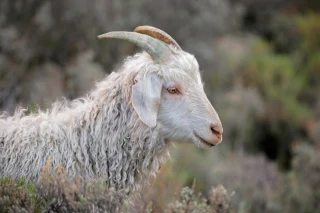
(169, 94)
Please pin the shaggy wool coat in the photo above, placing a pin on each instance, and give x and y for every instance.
(97, 136)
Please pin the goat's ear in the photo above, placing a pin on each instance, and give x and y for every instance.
(146, 95)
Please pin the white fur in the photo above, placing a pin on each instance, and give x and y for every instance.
(101, 135)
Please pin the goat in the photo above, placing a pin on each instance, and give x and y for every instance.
(122, 129)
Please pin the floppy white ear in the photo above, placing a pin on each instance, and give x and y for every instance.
(146, 95)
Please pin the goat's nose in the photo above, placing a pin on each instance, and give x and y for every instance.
(216, 129)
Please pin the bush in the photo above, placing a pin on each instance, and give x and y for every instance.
(57, 194)
(219, 202)
(19, 196)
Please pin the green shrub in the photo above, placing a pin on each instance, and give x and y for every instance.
(219, 202)
(275, 77)
(19, 196)
(309, 30)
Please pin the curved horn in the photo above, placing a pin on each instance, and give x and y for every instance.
(158, 50)
(158, 34)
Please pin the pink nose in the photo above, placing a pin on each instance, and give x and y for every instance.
(217, 130)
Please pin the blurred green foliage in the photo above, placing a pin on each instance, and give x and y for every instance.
(19, 196)
(309, 30)
(288, 83)
(300, 191)
(278, 81)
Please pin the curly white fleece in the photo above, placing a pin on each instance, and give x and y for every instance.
(97, 136)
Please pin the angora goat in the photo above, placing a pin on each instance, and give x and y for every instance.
(121, 130)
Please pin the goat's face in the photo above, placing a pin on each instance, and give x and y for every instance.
(185, 113)
(173, 100)
(168, 93)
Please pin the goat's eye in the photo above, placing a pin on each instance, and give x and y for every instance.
(173, 90)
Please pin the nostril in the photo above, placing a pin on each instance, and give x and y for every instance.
(216, 129)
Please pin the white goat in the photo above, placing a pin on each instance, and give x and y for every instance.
(121, 130)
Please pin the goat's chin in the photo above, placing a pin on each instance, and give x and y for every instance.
(202, 143)
(197, 142)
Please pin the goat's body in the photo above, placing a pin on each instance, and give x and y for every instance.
(120, 131)
(99, 136)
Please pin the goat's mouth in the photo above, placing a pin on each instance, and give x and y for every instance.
(203, 141)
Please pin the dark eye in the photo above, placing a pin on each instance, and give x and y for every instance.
(173, 90)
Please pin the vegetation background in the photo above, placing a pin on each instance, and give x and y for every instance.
(261, 67)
